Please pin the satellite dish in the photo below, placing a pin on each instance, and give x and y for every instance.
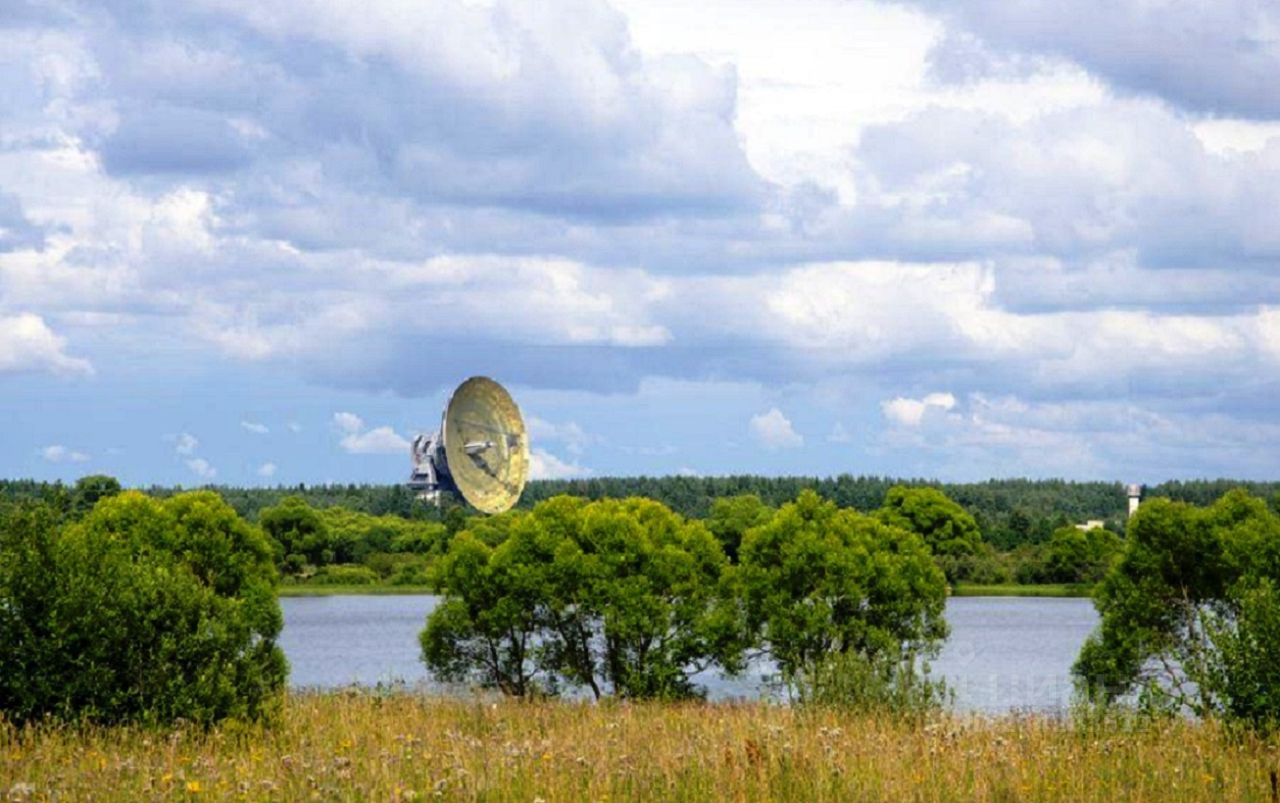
(480, 453)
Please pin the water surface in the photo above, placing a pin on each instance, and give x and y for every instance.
(1004, 653)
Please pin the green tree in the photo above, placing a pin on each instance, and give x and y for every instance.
(1190, 613)
(819, 581)
(90, 489)
(622, 597)
(300, 534)
(1075, 556)
(732, 516)
(949, 530)
(489, 625)
(143, 611)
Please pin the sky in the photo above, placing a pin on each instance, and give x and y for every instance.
(255, 243)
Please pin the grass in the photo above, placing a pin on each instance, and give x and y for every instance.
(1016, 590)
(363, 746)
(302, 590)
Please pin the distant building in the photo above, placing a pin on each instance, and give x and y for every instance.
(1091, 524)
(1135, 498)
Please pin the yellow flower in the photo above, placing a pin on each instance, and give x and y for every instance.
(193, 787)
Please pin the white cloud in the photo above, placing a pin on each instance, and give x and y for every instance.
(357, 440)
(348, 422)
(774, 430)
(28, 344)
(57, 453)
(545, 466)
(569, 433)
(910, 412)
(255, 427)
(267, 470)
(201, 468)
(379, 440)
(294, 427)
(186, 443)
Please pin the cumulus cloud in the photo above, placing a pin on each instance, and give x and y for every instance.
(349, 423)
(28, 344)
(910, 412)
(568, 433)
(586, 216)
(254, 427)
(267, 470)
(545, 466)
(1138, 46)
(57, 453)
(774, 430)
(358, 440)
(201, 468)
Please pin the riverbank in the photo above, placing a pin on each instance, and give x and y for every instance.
(302, 590)
(1016, 590)
(398, 747)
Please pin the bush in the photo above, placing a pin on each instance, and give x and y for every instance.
(344, 575)
(143, 611)
(866, 683)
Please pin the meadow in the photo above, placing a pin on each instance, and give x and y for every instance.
(362, 745)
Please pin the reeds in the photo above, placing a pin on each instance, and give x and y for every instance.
(370, 746)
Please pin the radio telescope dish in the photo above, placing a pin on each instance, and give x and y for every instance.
(480, 453)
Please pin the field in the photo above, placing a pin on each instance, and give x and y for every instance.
(362, 746)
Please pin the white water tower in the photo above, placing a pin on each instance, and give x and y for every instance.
(1135, 497)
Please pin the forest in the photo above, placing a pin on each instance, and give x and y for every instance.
(1023, 531)
(1009, 512)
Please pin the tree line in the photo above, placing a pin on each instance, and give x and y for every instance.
(353, 534)
(117, 606)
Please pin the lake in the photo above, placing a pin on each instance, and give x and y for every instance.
(1004, 653)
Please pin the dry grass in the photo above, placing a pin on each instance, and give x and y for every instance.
(404, 747)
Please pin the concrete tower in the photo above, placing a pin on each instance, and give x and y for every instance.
(1135, 497)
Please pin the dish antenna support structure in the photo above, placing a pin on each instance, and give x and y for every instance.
(480, 453)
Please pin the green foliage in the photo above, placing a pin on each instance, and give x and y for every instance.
(945, 526)
(1075, 556)
(732, 516)
(339, 574)
(1190, 615)
(299, 532)
(618, 596)
(90, 489)
(145, 610)
(819, 580)
(872, 683)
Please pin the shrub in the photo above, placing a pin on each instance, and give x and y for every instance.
(143, 611)
(344, 575)
(869, 683)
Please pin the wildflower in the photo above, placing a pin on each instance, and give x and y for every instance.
(193, 787)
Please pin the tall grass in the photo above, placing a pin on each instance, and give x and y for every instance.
(364, 746)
